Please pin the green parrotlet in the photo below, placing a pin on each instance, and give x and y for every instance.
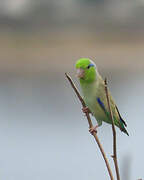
(93, 89)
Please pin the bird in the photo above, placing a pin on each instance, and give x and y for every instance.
(93, 90)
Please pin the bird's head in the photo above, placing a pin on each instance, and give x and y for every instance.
(86, 70)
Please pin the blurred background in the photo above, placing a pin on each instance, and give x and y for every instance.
(43, 133)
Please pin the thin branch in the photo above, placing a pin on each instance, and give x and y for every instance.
(90, 126)
(114, 156)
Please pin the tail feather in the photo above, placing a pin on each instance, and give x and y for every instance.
(122, 123)
(122, 127)
(125, 131)
(121, 117)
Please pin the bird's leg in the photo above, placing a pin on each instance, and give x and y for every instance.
(93, 129)
(86, 110)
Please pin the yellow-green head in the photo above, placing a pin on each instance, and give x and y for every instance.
(86, 70)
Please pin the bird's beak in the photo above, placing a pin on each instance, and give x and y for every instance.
(80, 73)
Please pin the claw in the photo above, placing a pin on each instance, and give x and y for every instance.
(93, 129)
(85, 110)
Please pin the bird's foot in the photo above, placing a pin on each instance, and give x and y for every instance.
(93, 129)
(86, 110)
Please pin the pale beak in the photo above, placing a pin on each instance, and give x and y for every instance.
(80, 73)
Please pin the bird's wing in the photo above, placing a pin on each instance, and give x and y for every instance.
(121, 117)
(102, 101)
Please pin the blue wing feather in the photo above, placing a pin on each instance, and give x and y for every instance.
(101, 104)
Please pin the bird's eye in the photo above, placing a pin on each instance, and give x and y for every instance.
(88, 66)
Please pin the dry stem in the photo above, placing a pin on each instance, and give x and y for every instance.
(90, 126)
(114, 156)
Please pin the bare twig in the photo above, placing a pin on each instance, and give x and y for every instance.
(114, 156)
(90, 126)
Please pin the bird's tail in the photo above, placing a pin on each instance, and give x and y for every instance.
(122, 126)
(124, 130)
(122, 123)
